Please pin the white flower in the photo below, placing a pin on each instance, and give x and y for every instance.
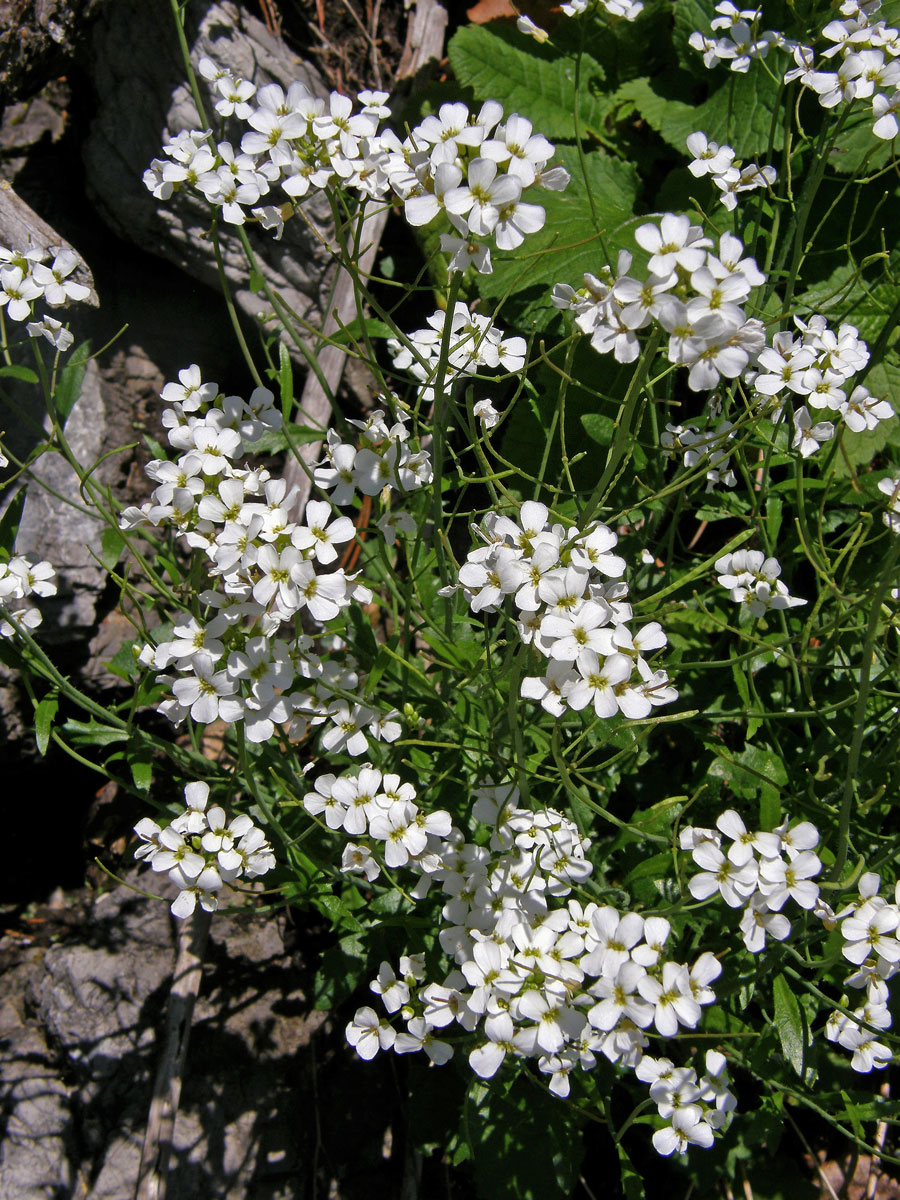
(687, 1129)
(808, 437)
(368, 1033)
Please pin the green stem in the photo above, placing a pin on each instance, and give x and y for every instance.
(888, 577)
(624, 423)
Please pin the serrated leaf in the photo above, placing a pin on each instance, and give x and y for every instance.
(71, 377)
(789, 1024)
(92, 733)
(739, 112)
(503, 65)
(23, 374)
(43, 722)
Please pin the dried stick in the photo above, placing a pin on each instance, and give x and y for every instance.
(152, 1174)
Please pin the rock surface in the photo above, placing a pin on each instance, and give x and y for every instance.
(78, 1025)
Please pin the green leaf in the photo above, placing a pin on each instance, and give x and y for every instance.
(141, 773)
(43, 722)
(738, 113)
(111, 546)
(92, 733)
(576, 237)
(506, 66)
(71, 377)
(9, 522)
(632, 1184)
(275, 440)
(774, 507)
(789, 1024)
(285, 381)
(528, 1146)
(598, 428)
(23, 374)
(690, 15)
(358, 330)
(257, 283)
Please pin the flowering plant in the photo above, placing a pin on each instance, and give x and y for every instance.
(570, 695)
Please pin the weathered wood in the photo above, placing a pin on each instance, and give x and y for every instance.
(21, 227)
(142, 100)
(193, 935)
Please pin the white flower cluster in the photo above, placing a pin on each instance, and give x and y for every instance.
(752, 580)
(456, 170)
(759, 871)
(740, 40)
(694, 1107)
(870, 931)
(382, 460)
(475, 342)
(694, 295)
(868, 50)
(569, 610)
(618, 10)
(26, 277)
(474, 168)
(20, 578)
(817, 366)
(382, 808)
(868, 69)
(728, 176)
(201, 852)
(266, 569)
(545, 977)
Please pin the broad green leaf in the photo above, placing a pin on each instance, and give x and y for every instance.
(691, 16)
(789, 1024)
(43, 722)
(23, 374)
(738, 113)
(503, 65)
(576, 237)
(858, 150)
(71, 377)
(858, 449)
